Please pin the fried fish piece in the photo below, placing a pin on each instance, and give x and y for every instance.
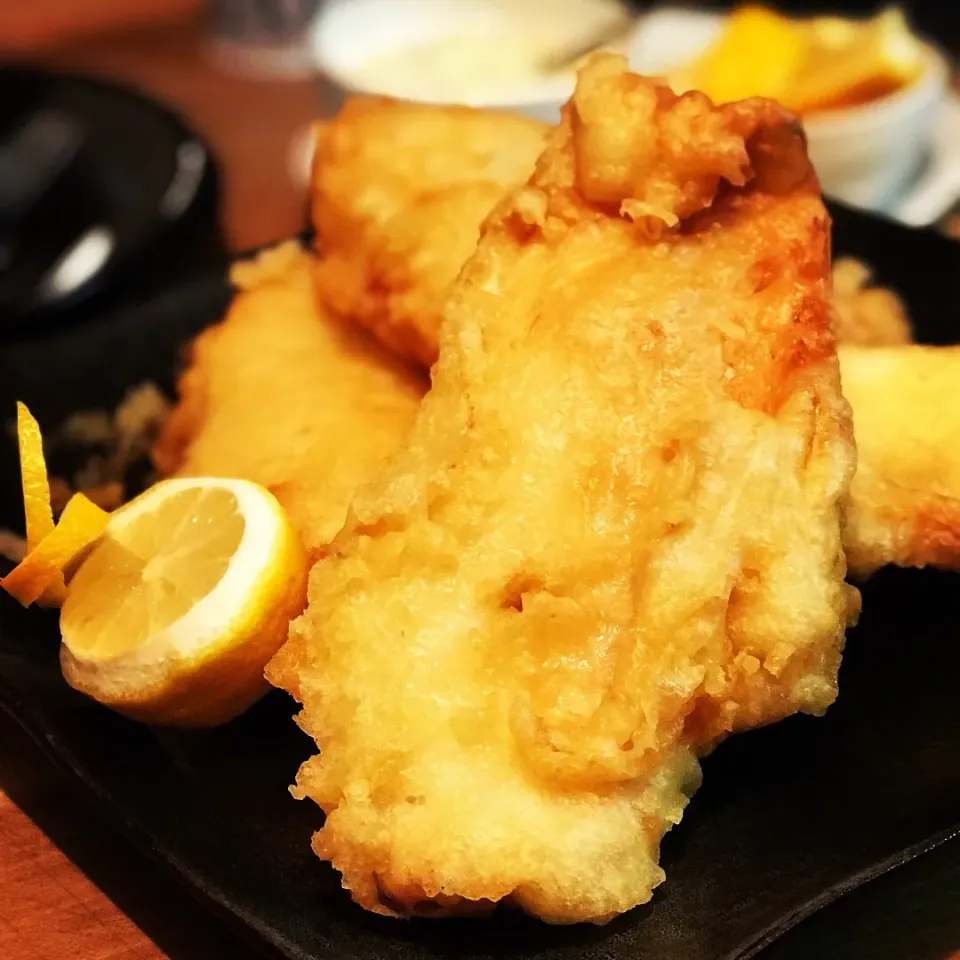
(867, 315)
(905, 499)
(280, 393)
(613, 534)
(439, 231)
(399, 192)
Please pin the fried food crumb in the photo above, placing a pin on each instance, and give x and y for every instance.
(269, 265)
(867, 315)
(111, 444)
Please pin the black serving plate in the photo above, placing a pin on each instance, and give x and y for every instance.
(790, 818)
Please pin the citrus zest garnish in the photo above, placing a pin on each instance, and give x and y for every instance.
(33, 477)
(41, 571)
(36, 495)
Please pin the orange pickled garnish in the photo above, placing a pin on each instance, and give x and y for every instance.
(39, 576)
(33, 477)
(758, 54)
(40, 573)
(807, 65)
(36, 492)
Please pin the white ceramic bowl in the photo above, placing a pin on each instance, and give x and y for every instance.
(864, 155)
(349, 32)
(867, 155)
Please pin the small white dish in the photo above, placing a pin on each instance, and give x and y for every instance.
(868, 155)
(938, 189)
(349, 34)
(865, 155)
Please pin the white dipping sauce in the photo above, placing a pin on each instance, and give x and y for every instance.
(463, 51)
(467, 68)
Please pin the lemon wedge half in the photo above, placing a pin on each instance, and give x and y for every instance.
(176, 608)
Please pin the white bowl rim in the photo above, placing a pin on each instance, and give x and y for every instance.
(864, 117)
(538, 92)
(859, 119)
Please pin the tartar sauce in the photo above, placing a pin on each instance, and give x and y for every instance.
(463, 68)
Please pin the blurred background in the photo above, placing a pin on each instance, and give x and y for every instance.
(215, 156)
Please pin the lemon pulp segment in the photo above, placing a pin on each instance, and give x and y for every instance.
(144, 575)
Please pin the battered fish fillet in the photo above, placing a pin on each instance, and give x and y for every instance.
(905, 499)
(279, 393)
(866, 315)
(399, 192)
(428, 243)
(613, 534)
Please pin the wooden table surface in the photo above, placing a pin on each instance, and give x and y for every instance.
(70, 888)
(249, 124)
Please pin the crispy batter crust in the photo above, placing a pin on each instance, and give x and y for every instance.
(905, 499)
(390, 270)
(866, 315)
(280, 393)
(399, 192)
(613, 534)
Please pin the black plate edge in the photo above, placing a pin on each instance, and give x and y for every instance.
(755, 945)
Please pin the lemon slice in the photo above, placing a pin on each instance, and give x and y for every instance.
(173, 613)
